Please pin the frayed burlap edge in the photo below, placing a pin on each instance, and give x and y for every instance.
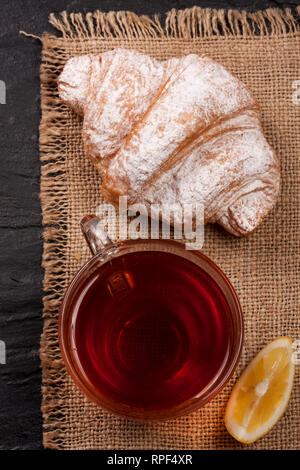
(54, 202)
(186, 24)
(191, 23)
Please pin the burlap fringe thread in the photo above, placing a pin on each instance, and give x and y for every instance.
(185, 24)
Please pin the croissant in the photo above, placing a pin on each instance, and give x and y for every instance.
(181, 131)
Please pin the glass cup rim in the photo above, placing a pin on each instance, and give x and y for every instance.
(224, 374)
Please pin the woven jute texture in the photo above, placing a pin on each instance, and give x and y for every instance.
(262, 49)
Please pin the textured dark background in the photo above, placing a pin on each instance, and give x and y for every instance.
(20, 215)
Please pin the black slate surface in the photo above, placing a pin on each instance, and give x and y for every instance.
(20, 215)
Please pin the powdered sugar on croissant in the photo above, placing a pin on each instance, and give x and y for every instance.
(179, 131)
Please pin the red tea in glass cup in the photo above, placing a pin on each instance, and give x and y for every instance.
(148, 329)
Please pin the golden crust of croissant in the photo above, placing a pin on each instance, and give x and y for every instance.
(182, 131)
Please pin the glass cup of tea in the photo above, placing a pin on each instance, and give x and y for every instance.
(147, 329)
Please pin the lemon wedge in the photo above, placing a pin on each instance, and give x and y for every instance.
(261, 395)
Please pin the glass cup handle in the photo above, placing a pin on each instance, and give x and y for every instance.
(95, 234)
(119, 283)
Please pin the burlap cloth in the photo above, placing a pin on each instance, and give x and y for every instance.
(262, 49)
